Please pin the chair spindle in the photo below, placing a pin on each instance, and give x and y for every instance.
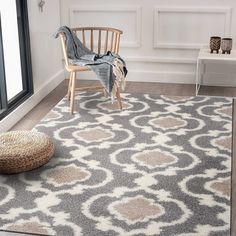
(99, 41)
(118, 44)
(91, 40)
(115, 43)
(106, 42)
(84, 41)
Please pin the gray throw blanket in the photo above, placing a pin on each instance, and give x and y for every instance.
(110, 68)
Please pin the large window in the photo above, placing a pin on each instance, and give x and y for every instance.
(15, 61)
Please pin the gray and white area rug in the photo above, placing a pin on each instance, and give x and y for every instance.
(162, 166)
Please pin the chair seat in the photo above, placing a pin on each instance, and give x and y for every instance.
(24, 150)
(75, 68)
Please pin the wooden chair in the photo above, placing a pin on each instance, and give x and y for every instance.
(98, 40)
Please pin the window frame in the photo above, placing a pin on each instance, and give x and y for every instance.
(26, 65)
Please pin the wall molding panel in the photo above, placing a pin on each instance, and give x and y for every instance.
(190, 16)
(121, 11)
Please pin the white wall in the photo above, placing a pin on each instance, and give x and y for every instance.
(161, 37)
(45, 49)
(46, 57)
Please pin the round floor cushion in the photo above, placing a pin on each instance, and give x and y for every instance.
(24, 150)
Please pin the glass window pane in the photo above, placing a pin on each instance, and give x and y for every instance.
(11, 48)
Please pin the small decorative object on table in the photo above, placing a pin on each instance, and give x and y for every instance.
(215, 44)
(226, 45)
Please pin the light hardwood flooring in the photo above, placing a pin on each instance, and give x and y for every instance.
(36, 114)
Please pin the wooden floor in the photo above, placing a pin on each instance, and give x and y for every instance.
(36, 114)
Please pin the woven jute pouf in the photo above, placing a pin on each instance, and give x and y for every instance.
(23, 151)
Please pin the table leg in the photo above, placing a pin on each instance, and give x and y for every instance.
(197, 77)
(202, 72)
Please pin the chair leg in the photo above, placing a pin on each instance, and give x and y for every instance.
(105, 93)
(72, 96)
(119, 99)
(69, 87)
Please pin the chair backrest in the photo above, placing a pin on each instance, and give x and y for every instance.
(97, 39)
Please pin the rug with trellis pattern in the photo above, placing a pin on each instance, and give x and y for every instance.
(161, 166)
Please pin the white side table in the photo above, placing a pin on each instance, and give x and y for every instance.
(205, 56)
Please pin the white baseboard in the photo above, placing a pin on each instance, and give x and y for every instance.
(10, 120)
(161, 77)
(150, 76)
(210, 79)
